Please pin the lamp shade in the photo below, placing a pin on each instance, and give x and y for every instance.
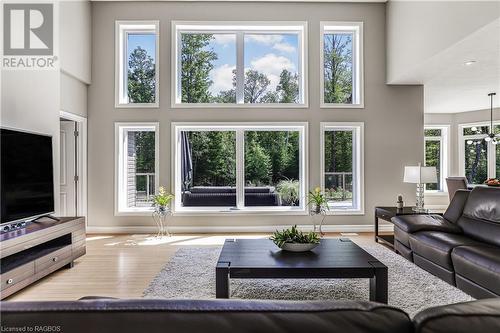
(420, 175)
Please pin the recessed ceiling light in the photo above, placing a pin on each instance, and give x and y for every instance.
(470, 62)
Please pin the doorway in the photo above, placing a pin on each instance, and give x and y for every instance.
(73, 165)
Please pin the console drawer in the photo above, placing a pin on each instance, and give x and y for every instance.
(17, 275)
(53, 258)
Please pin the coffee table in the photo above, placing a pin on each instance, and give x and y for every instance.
(333, 258)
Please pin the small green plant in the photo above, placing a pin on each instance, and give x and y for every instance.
(293, 235)
(289, 191)
(318, 200)
(162, 199)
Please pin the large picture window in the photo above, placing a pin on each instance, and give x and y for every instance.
(342, 166)
(240, 167)
(136, 166)
(136, 64)
(248, 64)
(479, 159)
(341, 64)
(436, 155)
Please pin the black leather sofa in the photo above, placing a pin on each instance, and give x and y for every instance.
(229, 316)
(225, 196)
(462, 246)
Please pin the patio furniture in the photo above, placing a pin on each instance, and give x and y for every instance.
(225, 196)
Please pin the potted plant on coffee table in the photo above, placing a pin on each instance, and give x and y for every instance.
(294, 240)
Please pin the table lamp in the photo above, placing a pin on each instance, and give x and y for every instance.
(420, 175)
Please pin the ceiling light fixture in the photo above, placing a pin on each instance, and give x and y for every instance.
(494, 138)
(470, 62)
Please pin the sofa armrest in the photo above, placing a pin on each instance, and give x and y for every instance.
(477, 316)
(415, 223)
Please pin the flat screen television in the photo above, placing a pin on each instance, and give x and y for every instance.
(27, 178)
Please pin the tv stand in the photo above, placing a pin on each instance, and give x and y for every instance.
(48, 216)
(33, 252)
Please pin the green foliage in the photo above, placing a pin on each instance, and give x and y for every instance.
(196, 64)
(257, 164)
(288, 191)
(255, 86)
(338, 151)
(144, 151)
(213, 156)
(476, 161)
(288, 87)
(337, 58)
(141, 82)
(433, 158)
(294, 235)
(318, 200)
(162, 199)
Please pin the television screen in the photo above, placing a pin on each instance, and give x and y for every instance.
(27, 180)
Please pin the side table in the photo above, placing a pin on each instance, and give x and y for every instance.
(386, 213)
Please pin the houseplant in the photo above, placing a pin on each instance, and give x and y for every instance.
(295, 240)
(161, 201)
(318, 205)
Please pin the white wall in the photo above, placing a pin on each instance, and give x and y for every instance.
(419, 30)
(393, 115)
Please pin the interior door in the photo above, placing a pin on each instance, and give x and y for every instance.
(68, 170)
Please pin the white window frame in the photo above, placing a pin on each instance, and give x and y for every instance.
(491, 150)
(240, 128)
(122, 30)
(121, 128)
(239, 28)
(444, 157)
(356, 29)
(358, 129)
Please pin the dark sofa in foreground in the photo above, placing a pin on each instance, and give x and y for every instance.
(229, 316)
(461, 247)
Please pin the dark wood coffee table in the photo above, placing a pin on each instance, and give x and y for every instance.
(333, 258)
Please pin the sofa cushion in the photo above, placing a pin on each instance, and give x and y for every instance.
(221, 316)
(415, 223)
(478, 316)
(436, 246)
(456, 206)
(480, 264)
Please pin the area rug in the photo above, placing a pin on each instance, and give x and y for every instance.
(190, 274)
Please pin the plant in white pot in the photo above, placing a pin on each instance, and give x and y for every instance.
(294, 240)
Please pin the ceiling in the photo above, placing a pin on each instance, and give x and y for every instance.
(451, 86)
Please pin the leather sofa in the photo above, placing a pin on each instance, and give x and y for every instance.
(225, 196)
(462, 246)
(229, 316)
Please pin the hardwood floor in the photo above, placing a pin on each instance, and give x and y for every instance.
(123, 265)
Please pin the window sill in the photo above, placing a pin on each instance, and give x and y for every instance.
(342, 106)
(239, 106)
(138, 106)
(436, 194)
(345, 212)
(241, 212)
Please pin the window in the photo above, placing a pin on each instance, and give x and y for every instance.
(341, 58)
(479, 159)
(136, 157)
(436, 155)
(244, 64)
(240, 167)
(342, 166)
(136, 73)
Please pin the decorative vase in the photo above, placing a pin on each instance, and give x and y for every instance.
(160, 215)
(318, 214)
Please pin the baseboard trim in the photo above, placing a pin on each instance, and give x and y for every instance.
(232, 229)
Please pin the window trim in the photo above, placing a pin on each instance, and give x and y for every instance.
(239, 28)
(358, 64)
(444, 157)
(122, 28)
(177, 127)
(491, 151)
(120, 128)
(359, 142)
